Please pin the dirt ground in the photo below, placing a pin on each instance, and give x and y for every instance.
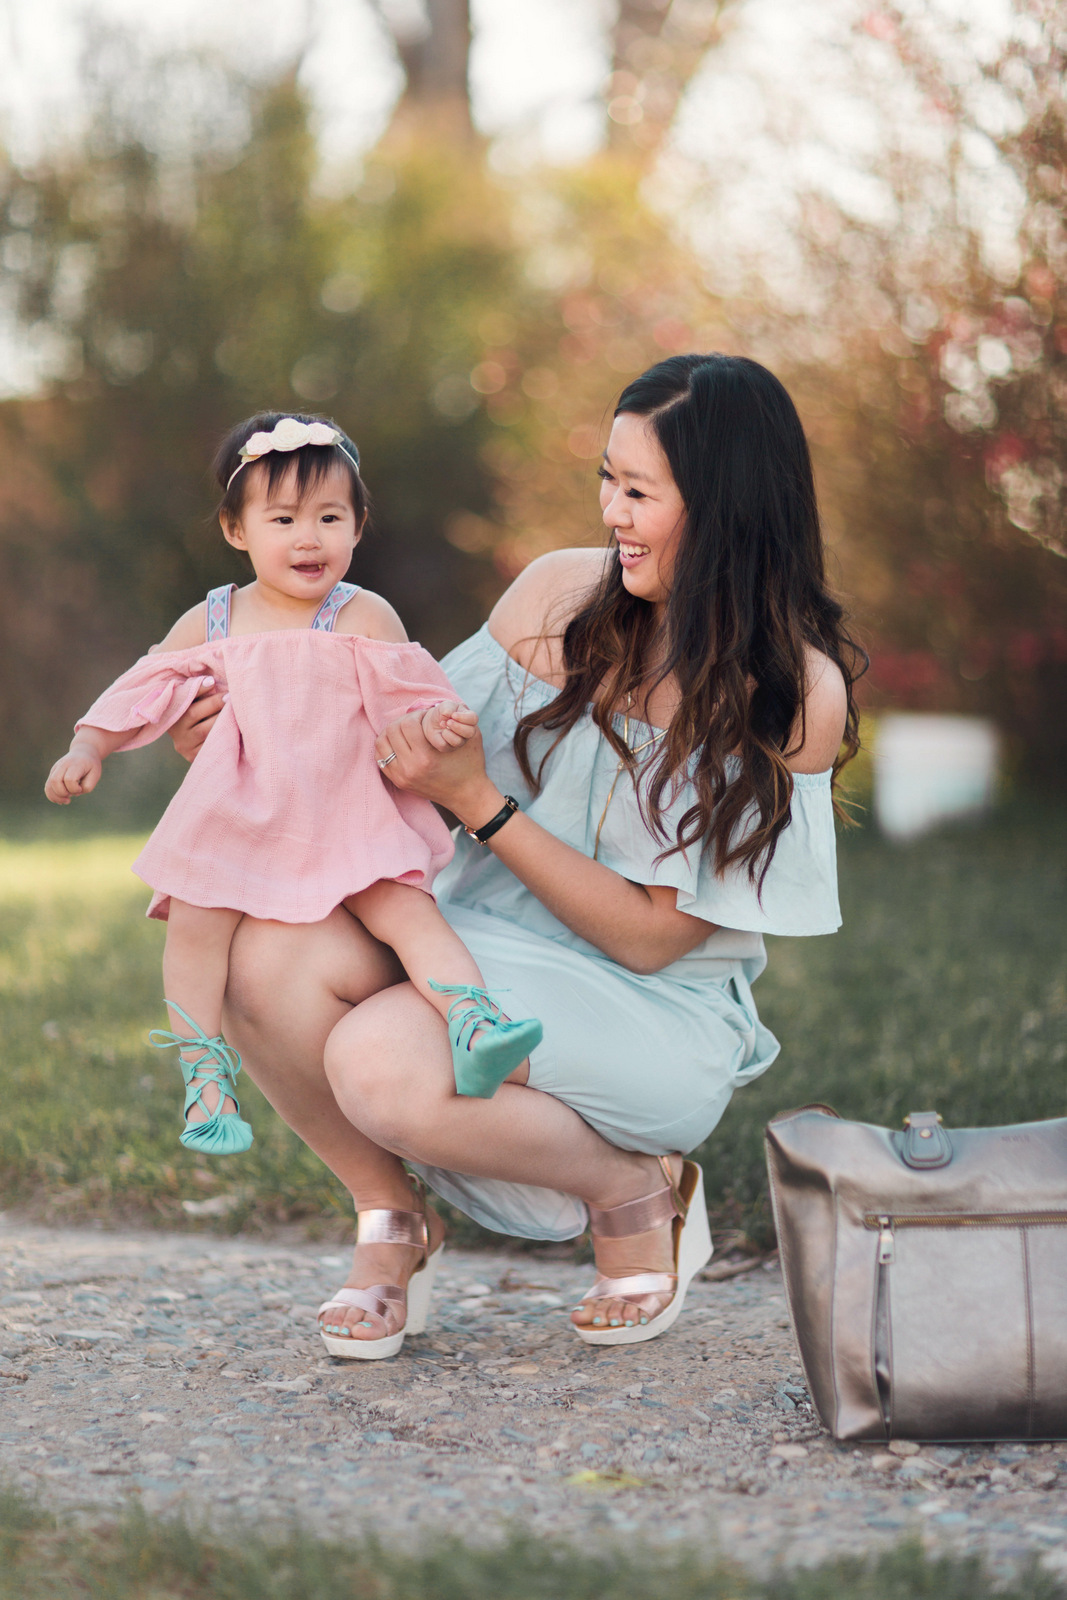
(186, 1370)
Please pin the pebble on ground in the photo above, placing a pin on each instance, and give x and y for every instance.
(186, 1370)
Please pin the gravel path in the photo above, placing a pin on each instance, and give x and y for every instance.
(185, 1369)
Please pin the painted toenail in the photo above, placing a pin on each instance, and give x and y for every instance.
(644, 1322)
(597, 1321)
(629, 1324)
(364, 1324)
(614, 1322)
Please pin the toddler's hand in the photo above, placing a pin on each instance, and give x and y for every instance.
(78, 772)
(449, 725)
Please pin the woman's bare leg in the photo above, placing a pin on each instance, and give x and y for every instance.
(390, 1067)
(289, 985)
(388, 1086)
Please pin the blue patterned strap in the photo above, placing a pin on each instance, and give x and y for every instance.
(218, 613)
(326, 615)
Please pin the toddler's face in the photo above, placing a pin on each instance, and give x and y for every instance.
(300, 548)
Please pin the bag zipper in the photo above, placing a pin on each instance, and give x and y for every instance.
(884, 1224)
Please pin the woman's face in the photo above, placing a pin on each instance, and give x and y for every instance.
(642, 506)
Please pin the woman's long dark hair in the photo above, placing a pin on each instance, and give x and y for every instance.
(748, 594)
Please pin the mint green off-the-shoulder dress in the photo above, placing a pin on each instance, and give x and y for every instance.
(649, 1061)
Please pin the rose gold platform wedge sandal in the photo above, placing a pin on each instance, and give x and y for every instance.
(682, 1203)
(384, 1303)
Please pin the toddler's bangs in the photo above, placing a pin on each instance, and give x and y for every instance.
(313, 462)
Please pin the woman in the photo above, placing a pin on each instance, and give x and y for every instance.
(670, 714)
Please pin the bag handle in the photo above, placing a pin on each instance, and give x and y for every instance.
(816, 1105)
(925, 1143)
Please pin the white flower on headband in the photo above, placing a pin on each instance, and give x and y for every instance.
(288, 434)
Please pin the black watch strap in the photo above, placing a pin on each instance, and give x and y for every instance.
(483, 835)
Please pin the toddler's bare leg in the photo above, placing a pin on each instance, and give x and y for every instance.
(408, 920)
(196, 963)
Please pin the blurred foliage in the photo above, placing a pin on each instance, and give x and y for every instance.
(175, 286)
(940, 420)
(609, 291)
(187, 263)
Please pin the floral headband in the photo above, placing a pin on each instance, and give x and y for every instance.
(289, 434)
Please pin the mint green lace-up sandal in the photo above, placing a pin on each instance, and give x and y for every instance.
(223, 1133)
(481, 1064)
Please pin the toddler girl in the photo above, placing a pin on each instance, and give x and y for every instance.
(284, 814)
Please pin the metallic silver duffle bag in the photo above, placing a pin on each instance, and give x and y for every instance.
(926, 1273)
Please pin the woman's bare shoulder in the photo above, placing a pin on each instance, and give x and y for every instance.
(825, 711)
(189, 630)
(372, 617)
(530, 616)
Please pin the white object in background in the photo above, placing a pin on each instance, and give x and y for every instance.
(928, 769)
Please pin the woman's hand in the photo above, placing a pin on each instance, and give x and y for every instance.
(639, 927)
(190, 730)
(455, 779)
(449, 724)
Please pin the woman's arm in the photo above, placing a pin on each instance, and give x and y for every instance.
(637, 925)
(820, 731)
(640, 927)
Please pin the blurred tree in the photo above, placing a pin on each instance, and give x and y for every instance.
(179, 270)
(610, 290)
(432, 42)
(175, 278)
(942, 415)
(656, 48)
(611, 286)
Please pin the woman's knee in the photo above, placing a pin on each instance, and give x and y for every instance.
(378, 1075)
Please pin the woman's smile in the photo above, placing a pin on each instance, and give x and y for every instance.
(630, 554)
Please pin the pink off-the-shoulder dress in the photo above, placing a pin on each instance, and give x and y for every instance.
(284, 812)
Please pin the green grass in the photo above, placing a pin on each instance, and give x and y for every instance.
(145, 1558)
(946, 989)
(90, 1116)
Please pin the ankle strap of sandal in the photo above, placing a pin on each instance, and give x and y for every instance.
(641, 1215)
(397, 1227)
(392, 1227)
